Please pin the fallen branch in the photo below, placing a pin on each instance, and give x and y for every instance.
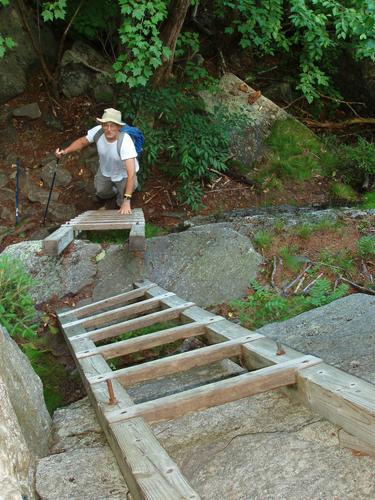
(343, 124)
(312, 282)
(296, 280)
(274, 273)
(359, 287)
(299, 284)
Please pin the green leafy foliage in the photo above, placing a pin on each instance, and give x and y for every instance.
(97, 20)
(319, 30)
(54, 10)
(195, 148)
(139, 34)
(17, 312)
(263, 239)
(265, 306)
(294, 152)
(5, 43)
(50, 372)
(366, 246)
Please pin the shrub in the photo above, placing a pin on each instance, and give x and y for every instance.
(193, 150)
(366, 246)
(17, 311)
(265, 306)
(262, 239)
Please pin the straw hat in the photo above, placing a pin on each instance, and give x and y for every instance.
(111, 115)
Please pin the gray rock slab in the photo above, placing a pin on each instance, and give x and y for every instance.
(40, 195)
(207, 264)
(26, 394)
(16, 460)
(342, 333)
(24, 421)
(87, 473)
(56, 275)
(76, 426)
(30, 111)
(259, 116)
(117, 272)
(265, 447)
(4, 179)
(63, 177)
(61, 211)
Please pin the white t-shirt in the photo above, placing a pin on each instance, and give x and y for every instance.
(109, 161)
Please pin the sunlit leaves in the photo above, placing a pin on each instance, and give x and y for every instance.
(53, 10)
(139, 34)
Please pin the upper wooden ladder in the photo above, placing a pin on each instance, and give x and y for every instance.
(98, 220)
(148, 470)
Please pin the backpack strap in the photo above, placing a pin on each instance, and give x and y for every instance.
(120, 140)
(98, 135)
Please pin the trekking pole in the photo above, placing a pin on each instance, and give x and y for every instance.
(17, 190)
(50, 191)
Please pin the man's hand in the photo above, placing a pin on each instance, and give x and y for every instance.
(125, 208)
(59, 152)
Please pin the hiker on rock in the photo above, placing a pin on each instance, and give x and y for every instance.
(118, 164)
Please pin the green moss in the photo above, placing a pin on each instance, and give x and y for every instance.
(369, 200)
(343, 192)
(49, 370)
(120, 236)
(294, 152)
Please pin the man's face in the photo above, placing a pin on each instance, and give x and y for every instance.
(111, 131)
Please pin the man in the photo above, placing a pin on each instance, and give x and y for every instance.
(117, 173)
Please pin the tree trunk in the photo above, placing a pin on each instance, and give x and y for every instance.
(169, 34)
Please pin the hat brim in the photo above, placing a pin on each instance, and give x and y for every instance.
(100, 120)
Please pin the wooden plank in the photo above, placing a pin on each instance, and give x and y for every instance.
(100, 226)
(216, 393)
(148, 341)
(56, 242)
(173, 364)
(119, 313)
(137, 238)
(148, 470)
(343, 399)
(109, 332)
(105, 303)
(347, 440)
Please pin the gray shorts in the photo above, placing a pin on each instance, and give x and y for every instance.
(106, 188)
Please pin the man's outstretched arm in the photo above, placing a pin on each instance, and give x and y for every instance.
(76, 145)
(129, 186)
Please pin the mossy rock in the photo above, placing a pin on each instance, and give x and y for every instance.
(292, 152)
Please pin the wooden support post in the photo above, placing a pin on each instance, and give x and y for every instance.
(137, 238)
(56, 242)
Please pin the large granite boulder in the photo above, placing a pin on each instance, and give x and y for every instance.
(56, 277)
(235, 95)
(25, 422)
(81, 464)
(207, 265)
(22, 57)
(342, 333)
(83, 71)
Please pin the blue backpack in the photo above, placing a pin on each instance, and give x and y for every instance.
(135, 134)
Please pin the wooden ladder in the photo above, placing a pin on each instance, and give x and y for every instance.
(98, 220)
(148, 470)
